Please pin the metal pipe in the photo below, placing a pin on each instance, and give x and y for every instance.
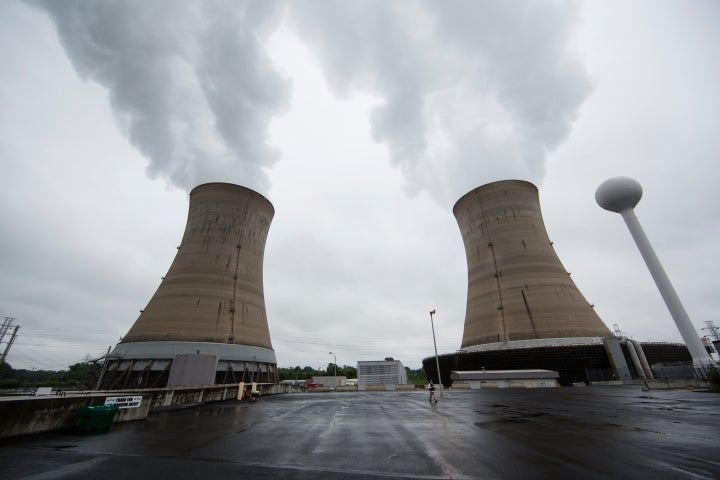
(103, 370)
(643, 359)
(634, 357)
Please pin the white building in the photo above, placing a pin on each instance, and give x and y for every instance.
(388, 372)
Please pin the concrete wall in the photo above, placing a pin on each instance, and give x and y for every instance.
(516, 383)
(384, 388)
(25, 416)
(330, 381)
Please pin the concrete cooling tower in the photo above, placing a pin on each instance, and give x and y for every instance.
(518, 290)
(209, 309)
(523, 311)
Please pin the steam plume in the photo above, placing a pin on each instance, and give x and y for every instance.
(190, 82)
(470, 91)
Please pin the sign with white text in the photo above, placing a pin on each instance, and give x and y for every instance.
(124, 402)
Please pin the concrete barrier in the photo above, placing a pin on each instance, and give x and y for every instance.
(23, 416)
(460, 386)
(405, 387)
(28, 415)
(381, 387)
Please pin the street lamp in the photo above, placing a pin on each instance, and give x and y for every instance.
(334, 364)
(437, 362)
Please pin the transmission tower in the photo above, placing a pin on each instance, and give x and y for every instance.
(6, 328)
(713, 330)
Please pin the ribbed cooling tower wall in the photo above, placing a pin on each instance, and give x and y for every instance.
(212, 299)
(518, 290)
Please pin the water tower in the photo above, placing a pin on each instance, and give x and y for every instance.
(621, 195)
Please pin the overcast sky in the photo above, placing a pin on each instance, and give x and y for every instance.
(363, 123)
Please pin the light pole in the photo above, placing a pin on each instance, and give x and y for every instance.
(334, 364)
(437, 362)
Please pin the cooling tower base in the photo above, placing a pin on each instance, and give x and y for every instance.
(167, 350)
(148, 364)
(586, 363)
(534, 343)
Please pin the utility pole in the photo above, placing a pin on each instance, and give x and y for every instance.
(437, 361)
(103, 370)
(4, 327)
(334, 364)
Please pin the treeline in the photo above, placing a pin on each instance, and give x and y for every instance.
(306, 373)
(84, 376)
(416, 377)
(80, 376)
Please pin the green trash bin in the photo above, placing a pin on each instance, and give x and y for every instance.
(96, 419)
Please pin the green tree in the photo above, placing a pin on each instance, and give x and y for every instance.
(81, 375)
(714, 379)
(417, 377)
(347, 371)
(37, 378)
(6, 371)
(7, 377)
(292, 373)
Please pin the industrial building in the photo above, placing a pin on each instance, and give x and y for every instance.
(388, 372)
(523, 309)
(209, 304)
(330, 381)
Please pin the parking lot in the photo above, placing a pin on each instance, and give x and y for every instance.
(593, 432)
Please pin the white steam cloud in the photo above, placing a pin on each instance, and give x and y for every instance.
(190, 82)
(474, 91)
(471, 91)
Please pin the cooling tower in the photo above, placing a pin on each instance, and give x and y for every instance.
(211, 301)
(519, 293)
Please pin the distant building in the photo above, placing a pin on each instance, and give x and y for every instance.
(329, 381)
(388, 372)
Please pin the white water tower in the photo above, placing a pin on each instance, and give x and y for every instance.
(620, 195)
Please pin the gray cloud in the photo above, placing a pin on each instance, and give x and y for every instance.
(190, 83)
(470, 92)
(463, 94)
(476, 88)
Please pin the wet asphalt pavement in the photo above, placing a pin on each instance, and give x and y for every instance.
(573, 433)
